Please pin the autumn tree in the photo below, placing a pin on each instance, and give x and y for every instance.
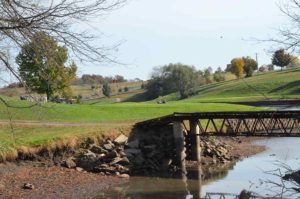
(280, 58)
(237, 67)
(295, 62)
(250, 65)
(42, 66)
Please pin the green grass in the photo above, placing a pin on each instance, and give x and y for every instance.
(271, 85)
(107, 116)
(119, 112)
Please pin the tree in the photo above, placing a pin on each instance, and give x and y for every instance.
(207, 74)
(42, 66)
(250, 65)
(237, 67)
(20, 21)
(219, 75)
(106, 89)
(173, 78)
(280, 58)
(295, 62)
(289, 34)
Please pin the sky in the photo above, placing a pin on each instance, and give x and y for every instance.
(201, 33)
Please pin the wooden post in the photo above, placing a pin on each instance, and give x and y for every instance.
(196, 148)
(180, 145)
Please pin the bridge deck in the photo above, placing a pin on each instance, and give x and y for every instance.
(252, 123)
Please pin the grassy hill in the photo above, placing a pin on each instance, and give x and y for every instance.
(265, 86)
(88, 94)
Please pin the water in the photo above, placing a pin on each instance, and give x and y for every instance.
(250, 174)
(246, 174)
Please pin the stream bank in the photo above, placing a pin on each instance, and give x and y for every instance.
(52, 179)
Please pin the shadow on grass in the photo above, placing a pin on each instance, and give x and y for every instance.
(288, 86)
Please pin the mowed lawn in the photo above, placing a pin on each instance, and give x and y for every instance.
(104, 117)
(107, 113)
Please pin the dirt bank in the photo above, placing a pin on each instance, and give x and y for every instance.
(51, 182)
(59, 182)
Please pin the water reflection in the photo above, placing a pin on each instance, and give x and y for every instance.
(230, 178)
(180, 187)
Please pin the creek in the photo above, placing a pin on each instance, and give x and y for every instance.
(250, 173)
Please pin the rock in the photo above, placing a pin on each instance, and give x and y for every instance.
(69, 163)
(90, 154)
(121, 139)
(97, 149)
(115, 161)
(134, 144)
(111, 155)
(108, 145)
(28, 186)
(87, 162)
(79, 169)
(124, 175)
(122, 161)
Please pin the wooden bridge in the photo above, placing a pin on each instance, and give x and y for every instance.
(260, 123)
(252, 123)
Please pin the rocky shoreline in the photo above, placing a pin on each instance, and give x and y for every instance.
(107, 163)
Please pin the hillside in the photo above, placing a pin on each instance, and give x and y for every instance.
(265, 86)
(88, 94)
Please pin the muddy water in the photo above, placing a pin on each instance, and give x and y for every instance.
(249, 174)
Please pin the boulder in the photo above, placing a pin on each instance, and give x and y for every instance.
(124, 175)
(90, 154)
(87, 162)
(79, 169)
(111, 155)
(121, 139)
(108, 146)
(122, 161)
(28, 186)
(70, 163)
(97, 149)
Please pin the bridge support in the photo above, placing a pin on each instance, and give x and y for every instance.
(178, 132)
(196, 148)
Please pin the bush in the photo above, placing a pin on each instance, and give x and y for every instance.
(126, 89)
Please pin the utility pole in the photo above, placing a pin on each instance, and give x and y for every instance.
(256, 58)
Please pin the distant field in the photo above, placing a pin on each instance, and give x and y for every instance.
(85, 90)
